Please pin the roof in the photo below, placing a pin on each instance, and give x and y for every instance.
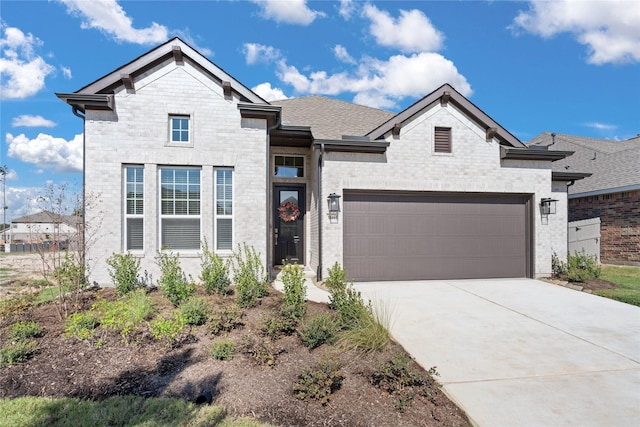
(46, 217)
(613, 164)
(331, 118)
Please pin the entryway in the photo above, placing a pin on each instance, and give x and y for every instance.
(288, 224)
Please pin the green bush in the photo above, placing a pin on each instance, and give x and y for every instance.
(225, 320)
(249, 276)
(126, 314)
(336, 277)
(397, 379)
(24, 330)
(71, 274)
(321, 329)
(279, 324)
(262, 352)
(368, 332)
(582, 267)
(295, 291)
(17, 352)
(558, 267)
(318, 382)
(215, 272)
(173, 282)
(168, 330)
(223, 350)
(124, 270)
(81, 324)
(195, 310)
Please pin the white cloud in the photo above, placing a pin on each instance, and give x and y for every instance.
(47, 152)
(255, 53)
(66, 71)
(342, 55)
(27, 120)
(601, 126)
(379, 83)
(22, 72)
(288, 11)
(411, 32)
(609, 29)
(268, 93)
(347, 7)
(109, 17)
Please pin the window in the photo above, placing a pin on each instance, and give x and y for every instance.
(224, 209)
(289, 166)
(134, 208)
(442, 140)
(179, 128)
(180, 208)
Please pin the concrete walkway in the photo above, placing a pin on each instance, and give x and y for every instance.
(521, 352)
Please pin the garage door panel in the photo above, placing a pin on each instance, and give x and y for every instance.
(434, 236)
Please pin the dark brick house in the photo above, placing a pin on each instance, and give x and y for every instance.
(612, 192)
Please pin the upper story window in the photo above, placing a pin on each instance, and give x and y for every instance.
(134, 208)
(442, 140)
(289, 166)
(180, 208)
(179, 129)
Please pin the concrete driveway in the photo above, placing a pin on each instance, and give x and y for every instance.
(521, 352)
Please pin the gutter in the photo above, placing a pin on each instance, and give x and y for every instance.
(320, 162)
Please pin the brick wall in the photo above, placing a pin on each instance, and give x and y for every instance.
(620, 223)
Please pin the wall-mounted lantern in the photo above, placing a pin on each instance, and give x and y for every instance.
(548, 206)
(333, 202)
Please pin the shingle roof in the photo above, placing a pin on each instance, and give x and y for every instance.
(331, 118)
(613, 164)
(46, 217)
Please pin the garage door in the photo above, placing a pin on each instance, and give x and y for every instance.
(411, 236)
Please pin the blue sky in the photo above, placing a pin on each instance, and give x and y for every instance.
(566, 66)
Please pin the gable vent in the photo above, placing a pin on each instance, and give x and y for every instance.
(442, 140)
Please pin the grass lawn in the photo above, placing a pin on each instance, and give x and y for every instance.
(115, 411)
(628, 280)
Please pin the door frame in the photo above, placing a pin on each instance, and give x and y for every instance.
(302, 189)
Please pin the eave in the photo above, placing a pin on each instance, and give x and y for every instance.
(83, 102)
(529, 154)
(569, 176)
(271, 113)
(352, 145)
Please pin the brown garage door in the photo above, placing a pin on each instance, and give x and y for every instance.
(410, 236)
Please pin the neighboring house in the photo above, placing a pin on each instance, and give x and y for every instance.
(612, 192)
(44, 226)
(178, 151)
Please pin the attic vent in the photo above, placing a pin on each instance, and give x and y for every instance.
(442, 140)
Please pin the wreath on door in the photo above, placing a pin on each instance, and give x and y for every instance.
(288, 212)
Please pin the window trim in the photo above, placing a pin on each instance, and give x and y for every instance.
(304, 172)
(189, 141)
(162, 216)
(437, 140)
(126, 215)
(217, 216)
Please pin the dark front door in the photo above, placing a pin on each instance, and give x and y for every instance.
(288, 224)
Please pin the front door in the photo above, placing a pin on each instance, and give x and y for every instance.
(288, 224)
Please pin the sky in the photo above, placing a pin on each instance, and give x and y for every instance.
(567, 66)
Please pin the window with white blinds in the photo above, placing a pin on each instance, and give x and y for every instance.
(134, 208)
(180, 208)
(224, 209)
(442, 140)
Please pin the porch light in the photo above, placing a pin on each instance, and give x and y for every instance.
(548, 206)
(333, 202)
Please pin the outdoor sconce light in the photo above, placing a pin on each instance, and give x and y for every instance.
(548, 206)
(333, 202)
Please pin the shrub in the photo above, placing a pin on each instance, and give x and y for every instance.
(225, 320)
(82, 324)
(124, 270)
(24, 330)
(336, 277)
(558, 267)
(262, 352)
(249, 276)
(318, 382)
(295, 291)
(369, 331)
(397, 379)
(194, 311)
(19, 351)
(168, 330)
(279, 324)
(71, 274)
(126, 314)
(223, 350)
(321, 329)
(215, 272)
(582, 267)
(173, 282)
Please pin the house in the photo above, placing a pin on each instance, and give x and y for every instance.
(612, 192)
(178, 151)
(44, 226)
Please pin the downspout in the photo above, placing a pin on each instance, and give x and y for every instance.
(268, 181)
(76, 113)
(320, 162)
